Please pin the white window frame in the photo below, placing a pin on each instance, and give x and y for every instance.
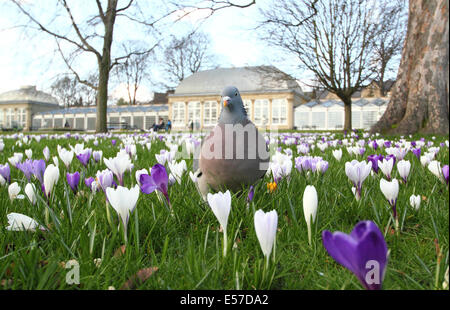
(178, 113)
(278, 105)
(209, 113)
(248, 107)
(261, 106)
(194, 113)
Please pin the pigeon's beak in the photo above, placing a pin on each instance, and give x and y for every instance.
(226, 101)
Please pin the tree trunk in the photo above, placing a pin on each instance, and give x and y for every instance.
(102, 98)
(347, 114)
(419, 100)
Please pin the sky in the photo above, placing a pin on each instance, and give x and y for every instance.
(29, 57)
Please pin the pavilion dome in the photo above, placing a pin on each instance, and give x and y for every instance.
(246, 79)
(27, 93)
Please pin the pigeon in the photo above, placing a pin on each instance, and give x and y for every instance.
(234, 155)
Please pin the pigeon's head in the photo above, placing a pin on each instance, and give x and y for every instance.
(232, 106)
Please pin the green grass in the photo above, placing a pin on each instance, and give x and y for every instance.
(187, 248)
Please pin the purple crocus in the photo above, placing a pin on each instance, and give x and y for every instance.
(5, 171)
(157, 180)
(105, 179)
(251, 193)
(27, 168)
(363, 252)
(38, 169)
(445, 173)
(387, 144)
(73, 179)
(88, 181)
(84, 157)
(374, 160)
(391, 156)
(417, 152)
(113, 142)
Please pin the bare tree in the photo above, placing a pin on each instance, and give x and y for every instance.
(65, 89)
(83, 38)
(185, 56)
(420, 98)
(389, 42)
(133, 69)
(333, 39)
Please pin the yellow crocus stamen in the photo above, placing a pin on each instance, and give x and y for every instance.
(271, 187)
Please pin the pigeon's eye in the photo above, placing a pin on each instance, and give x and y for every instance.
(235, 94)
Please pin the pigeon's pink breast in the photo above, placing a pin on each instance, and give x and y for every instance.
(233, 157)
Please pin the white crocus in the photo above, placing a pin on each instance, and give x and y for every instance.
(266, 229)
(14, 190)
(30, 191)
(337, 154)
(21, 222)
(404, 167)
(310, 202)
(177, 169)
(390, 190)
(193, 177)
(66, 156)
(55, 161)
(220, 204)
(2, 180)
(414, 201)
(29, 153)
(386, 167)
(46, 153)
(357, 172)
(435, 168)
(51, 176)
(118, 165)
(123, 200)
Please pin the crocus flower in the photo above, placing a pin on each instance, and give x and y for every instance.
(123, 200)
(414, 201)
(220, 204)
(364, 252)
(73, 179)
(193, 177)
(13, 191)
(30, 191)
(66, 156)
(250, 195)
(357, 172)
(84, 157)
(20, 222)
(51, 176)
(435, 168)
(38, 169)
(97, 155)
(390, 191)
(46, 153)
(157, 180)
(27, 168)
(113, 142)
(386, 166)
(417, 152)
(310, 207)
(404, 167)
(105, 179)
(138, 175)
(88, 182)
(118, 165)
(29, 153)
(337, 154)
(266, 229)
(374, 160)
(5, 171)
(177, 170)
(445, 173)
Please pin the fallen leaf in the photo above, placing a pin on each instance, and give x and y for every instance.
(120, 251)
(140, 277)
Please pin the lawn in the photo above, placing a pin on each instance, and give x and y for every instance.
(184, 247)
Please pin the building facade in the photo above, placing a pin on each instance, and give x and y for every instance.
(269, 96)
(18, 107)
